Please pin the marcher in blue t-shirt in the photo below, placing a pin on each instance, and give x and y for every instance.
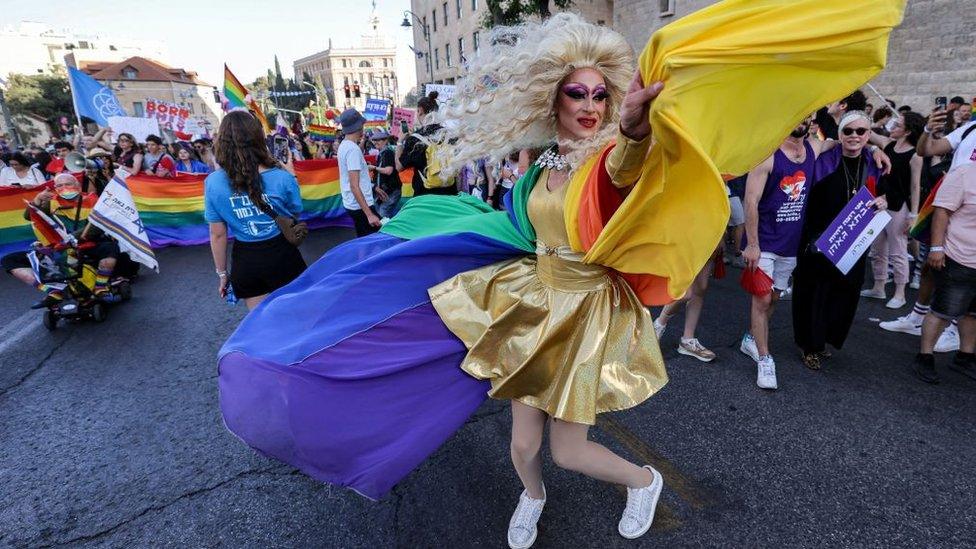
(188, 162)
(263, 260)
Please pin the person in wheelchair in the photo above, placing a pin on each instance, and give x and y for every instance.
(70, 205)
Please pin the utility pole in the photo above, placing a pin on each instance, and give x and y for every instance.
(8, 121)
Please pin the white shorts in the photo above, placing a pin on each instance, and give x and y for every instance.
(738, 215)
(778, 268)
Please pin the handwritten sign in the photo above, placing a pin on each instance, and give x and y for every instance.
(169, 115)
(445, 92)
(851, 233)
(401, 114)
(138, 127)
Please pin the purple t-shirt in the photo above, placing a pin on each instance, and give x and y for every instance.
(783, 201)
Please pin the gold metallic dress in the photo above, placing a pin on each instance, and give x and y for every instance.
(551, 332)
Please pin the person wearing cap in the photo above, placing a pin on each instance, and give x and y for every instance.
(99, 170)
(354, 182)
(388, 186)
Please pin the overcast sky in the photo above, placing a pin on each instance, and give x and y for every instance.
(201, 35)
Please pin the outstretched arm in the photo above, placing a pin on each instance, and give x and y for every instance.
(625, 162)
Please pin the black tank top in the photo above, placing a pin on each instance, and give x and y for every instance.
(897, 186)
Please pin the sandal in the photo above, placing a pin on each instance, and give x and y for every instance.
(811, 360)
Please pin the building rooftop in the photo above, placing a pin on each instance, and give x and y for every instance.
(139, 69)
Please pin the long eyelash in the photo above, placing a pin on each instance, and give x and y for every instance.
(602, 96)
(576, 94)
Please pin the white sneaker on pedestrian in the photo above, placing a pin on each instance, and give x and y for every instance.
(693, 348)
(522, 529)
(880, 294)
(895, 303)
(766, 373)
(904, 325)
(748, 347)
(916, 281)
(659, 328)
(641, 504)
(787, 294)
(948, 341)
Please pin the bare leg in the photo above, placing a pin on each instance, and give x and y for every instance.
(24, 275)
(762, 311)
(696, 301)
(253, 302)
(571, 450)
(932, 328)
(967, 334)
(737, 233)
(528, 424)
(926, 287)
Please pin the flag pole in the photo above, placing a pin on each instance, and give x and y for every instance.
(69, 63)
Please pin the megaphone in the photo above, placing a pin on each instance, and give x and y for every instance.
(75, 162)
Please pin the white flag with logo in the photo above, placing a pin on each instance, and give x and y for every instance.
(116, 214)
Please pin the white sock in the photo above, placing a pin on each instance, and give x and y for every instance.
(918, 313)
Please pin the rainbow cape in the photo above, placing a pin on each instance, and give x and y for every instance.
(359, 395)
(238, 98)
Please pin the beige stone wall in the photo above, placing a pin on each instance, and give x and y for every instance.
(446, 37)
(932, 53)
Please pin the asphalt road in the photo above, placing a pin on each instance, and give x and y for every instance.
(110, 436)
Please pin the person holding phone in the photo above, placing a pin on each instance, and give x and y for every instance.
(960, 143)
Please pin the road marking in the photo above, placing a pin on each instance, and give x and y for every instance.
(686, 488)
(18, 329)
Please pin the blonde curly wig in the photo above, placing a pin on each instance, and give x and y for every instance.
(505, 99)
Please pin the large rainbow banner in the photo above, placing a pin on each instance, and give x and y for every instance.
(171, 209)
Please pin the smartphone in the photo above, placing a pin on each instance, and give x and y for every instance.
(941, 103)
(281, 148)
(403, 127)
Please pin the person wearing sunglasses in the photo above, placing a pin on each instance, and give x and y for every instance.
(824, 299)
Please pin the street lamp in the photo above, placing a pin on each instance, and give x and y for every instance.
(406, 24)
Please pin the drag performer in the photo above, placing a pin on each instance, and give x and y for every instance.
(384, 347)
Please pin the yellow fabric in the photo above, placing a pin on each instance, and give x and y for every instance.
(738, 75)
(565, 337)
(626, 161)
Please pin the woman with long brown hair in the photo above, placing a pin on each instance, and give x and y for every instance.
(236, 198)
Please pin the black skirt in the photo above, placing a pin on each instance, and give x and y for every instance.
(259, 268)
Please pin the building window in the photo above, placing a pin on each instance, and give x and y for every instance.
(386, 62)
(444, 9)
(364, 64)
(433, 15)
(345, 80)
(437, 58)
(461, 49)
(474, 6)
(667, 8)
(112, 48)
(343, 63)
(129, 73)
(447, 54)
(474, 41)
(138, 109)
(601, 22)
(189, 105)
(458, 8)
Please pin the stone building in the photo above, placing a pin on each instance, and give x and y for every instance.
(456, 32)
(932, 53)
(371, 67)
(136, 80)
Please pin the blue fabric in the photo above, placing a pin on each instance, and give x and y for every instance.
(348, 290)
(92, 99)
(244, 220)
(195, 167)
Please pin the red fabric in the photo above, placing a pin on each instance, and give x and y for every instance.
(756, 282)
(872, 185)
(55, 166)
(598, 202)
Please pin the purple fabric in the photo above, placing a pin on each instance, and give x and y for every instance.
(782, 203)
(362, 413)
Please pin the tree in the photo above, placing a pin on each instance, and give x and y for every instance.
(511, 12)
(43, 95)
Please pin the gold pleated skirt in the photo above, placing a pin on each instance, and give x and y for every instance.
(567, 338)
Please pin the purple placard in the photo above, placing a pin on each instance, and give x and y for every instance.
(851, 233)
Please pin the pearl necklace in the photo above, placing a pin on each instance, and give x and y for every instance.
(552, 160)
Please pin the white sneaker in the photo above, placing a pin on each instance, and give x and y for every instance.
(895, 303)
(693, 348)
(948, 341)
(766, 373)
(641, 504)
(916, 281)
(659, 328)
(787, 294)
(903, 325)
(748, 347)
(880, 294)
(522, 529)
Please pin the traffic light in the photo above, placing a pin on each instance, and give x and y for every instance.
(347, 92)
(356, 89)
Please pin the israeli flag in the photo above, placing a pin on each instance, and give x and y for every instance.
(93, 99)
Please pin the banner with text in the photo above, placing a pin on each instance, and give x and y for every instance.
(376, 109)
(169, 115)
(445, 92)
(850, 234)
(403, 117)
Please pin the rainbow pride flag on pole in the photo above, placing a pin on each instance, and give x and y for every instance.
(321, 133)
(239, 98)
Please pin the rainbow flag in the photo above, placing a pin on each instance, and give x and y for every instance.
(48, 229)
(239, 98)
(374, 124)
(321, 133)
(922, 229)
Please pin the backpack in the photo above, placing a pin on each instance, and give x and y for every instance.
(432, 178)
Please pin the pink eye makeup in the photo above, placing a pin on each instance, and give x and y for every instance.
(580, 92)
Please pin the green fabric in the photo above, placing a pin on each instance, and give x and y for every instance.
(431, 215)
(520, 200)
